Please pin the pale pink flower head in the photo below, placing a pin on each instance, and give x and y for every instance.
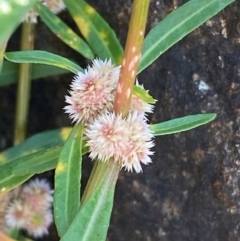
(38, 223)
(37, 194)
(92, 92)
(139, 105)
(55, 6)
(125, 140)
(32, 211)
(16, 214)
(35, 222)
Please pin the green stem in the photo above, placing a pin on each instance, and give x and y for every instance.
(127, 78)
(23, 92)
(2, 50)
(99, 171)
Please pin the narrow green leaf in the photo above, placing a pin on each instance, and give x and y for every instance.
(11, 14)
(92, 221)
(37, 162)
(41, 141)
(177, 25)
(43, 160)
(8, 180)
(67, 180)
(11, 182)
(40, 161)
(9, 74)
(62, 31)
(42, 57)
(181, 124)
(143, 95)
(95, 30)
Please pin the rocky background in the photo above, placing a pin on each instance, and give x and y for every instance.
(191, 191)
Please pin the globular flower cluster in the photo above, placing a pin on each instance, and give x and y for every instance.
(93, 91)
(126, 140)
(55, 6)
(32, 210)
(109, 136)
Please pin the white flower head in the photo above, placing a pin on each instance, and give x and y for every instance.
(32, 211)
(92, 92)
(38, 223)
(16, 214)
(139, 105)
(37, 194)
(55, 6)
(125, 140)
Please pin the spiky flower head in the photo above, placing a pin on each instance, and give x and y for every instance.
(37, 193)
(93, 91)
(38, 223)
(32, 211)
(139, 105)
(55, 6)
(15, 216)
(125, 140)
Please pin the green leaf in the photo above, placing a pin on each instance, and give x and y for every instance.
(177, 25)
(181, 124)
(62, 31)
(8, 180)
(92, 221)
(143, 95)
(40, 161)
(41, 141)
(95, 30)
(67, 180)
(12, 181)
(9, 74)
(11, 14)
(42, 57)
(37, 162)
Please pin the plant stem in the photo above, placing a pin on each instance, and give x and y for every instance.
(124, 90)
(132, 56)
(99, 172)
(23, 92)
(2, 50)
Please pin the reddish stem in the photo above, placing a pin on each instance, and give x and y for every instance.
(132, 56)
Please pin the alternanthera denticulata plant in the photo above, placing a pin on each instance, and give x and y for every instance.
(107, 105)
